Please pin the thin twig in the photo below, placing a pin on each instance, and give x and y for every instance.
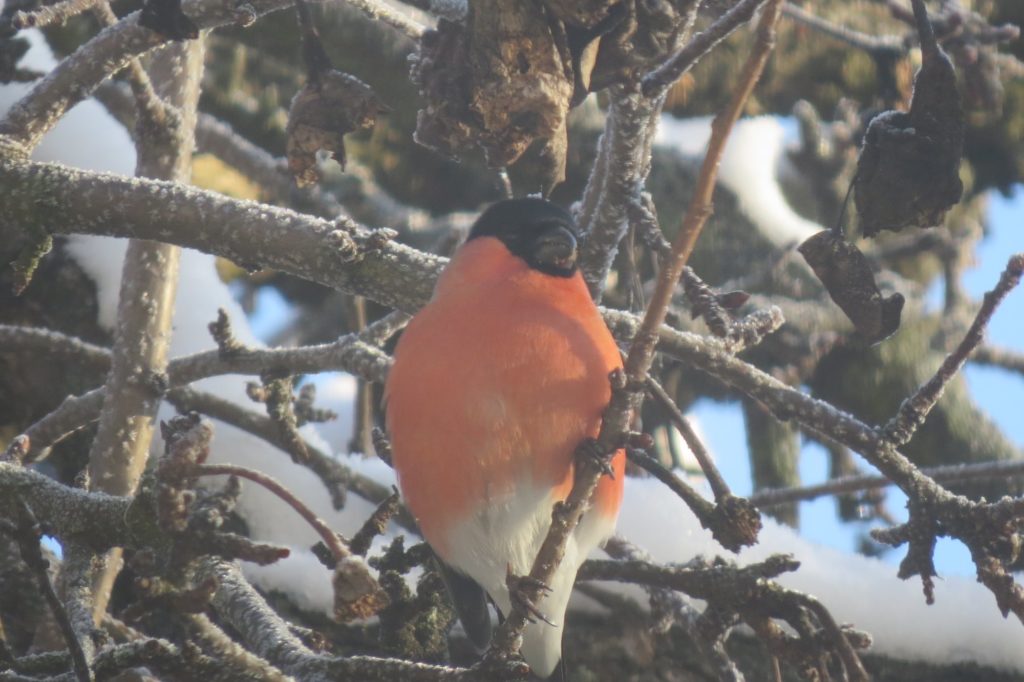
(152, 110)
(996, 356)
(336, 477)
(702, 43)
(348, 353)
(851, 484)
(330, 538)
(392, 16)
(888, 46)
(47, 15)
(379, 331)
(914, 410)
(28, 534)
(641, 353)
(625, 385)
(718, 485)
(700, 507)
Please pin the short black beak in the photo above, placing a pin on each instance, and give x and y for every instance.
(555, 248)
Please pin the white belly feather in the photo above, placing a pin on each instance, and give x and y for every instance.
(509, 532)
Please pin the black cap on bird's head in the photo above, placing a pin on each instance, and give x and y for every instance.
(541, 233)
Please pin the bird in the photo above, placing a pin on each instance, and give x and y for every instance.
(495, 383)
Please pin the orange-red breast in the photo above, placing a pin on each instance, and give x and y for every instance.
(495, 382)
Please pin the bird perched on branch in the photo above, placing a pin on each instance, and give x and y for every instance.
(495, 383)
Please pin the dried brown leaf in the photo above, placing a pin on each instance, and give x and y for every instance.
(322, 113)
(847, 276)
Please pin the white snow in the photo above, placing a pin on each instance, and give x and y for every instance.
(963, 625)
(749, 165)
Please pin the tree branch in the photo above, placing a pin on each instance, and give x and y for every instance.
(339, 254)
(349, 354)
(330, 538)
(995, 356)
(149, 284)
(77, 76)
(771, 497)
(626, 385)
(270, 637)
(28, 533)
(702, 43)
(915, 409)
(623, 163)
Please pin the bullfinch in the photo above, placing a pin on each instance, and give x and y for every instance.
(495, 383)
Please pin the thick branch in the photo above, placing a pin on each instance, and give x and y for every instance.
(72, 515)
(340, 254)
(624, 161)
(392, 16)
(72, 201)
(149, 284)
(270, 637)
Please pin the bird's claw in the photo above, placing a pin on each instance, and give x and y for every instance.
(523, 591)
(591, 449)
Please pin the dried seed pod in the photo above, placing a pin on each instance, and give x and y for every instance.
(908, 170)
(847, 276)
(357, 594)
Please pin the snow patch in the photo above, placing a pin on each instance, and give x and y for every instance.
(749, 165)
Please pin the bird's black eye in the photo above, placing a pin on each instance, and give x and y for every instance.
(541, 233)
(554, 250)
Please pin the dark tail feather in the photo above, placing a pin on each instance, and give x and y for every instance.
(470, 603)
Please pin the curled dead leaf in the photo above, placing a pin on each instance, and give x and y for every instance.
(321, 114)
(908, 172)
(848, 278)
(499, 84)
